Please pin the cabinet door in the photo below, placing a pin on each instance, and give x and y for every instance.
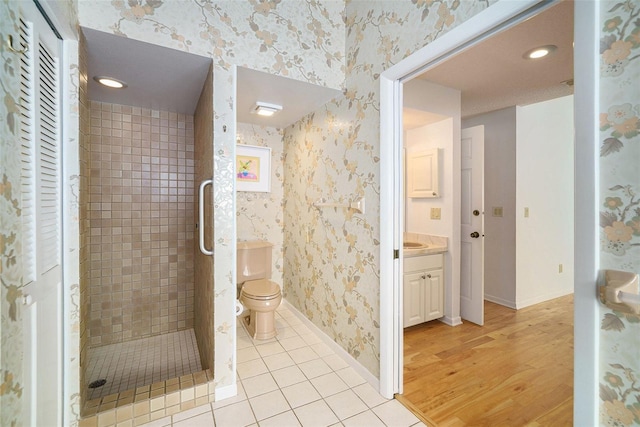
(422, 174)
(413, 299)
(433, 295)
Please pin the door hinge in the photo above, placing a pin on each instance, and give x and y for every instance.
(396, 253)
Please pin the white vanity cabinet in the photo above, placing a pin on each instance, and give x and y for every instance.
(423, 289)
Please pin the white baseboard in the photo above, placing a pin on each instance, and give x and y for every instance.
(226, 391)
(500, 301)
(341, 352)
(541, 298)
(451, 321)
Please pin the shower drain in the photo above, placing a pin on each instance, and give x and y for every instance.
(98, 383)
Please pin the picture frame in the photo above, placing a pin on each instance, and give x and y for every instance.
(253, 168)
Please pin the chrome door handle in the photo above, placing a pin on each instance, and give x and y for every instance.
(201, 224)
(475, 234)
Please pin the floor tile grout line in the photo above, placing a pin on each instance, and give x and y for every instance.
(323, 398)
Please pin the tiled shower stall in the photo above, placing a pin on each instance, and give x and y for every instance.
(140, 210)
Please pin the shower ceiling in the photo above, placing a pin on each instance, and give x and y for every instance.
(166, 79)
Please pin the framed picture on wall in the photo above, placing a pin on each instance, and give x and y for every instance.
(253, 168)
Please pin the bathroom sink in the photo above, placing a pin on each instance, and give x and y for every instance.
(414, 245)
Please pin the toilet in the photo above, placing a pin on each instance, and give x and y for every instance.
(257, 293)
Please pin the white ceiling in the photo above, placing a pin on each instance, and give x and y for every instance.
(494, 75)
(165, 79)
(297, 98)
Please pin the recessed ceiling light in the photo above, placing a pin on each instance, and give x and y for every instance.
(265, 109)
(110, 82)
(539, 52)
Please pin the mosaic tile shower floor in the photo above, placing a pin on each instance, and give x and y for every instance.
(133, 364)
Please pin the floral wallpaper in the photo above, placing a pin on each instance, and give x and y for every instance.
(303, 40)
(11, 384)
(620, 208)
(330, 260)
(224, 243)
(11, 375)
(259, 216)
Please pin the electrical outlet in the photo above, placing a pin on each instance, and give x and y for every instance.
(497, 211)
(435, 213)
(526, 212)
(559, 268)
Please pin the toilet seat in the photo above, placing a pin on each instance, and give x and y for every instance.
(260, 290)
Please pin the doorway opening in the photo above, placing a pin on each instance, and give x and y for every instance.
(392, 92)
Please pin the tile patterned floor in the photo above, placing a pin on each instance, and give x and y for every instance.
(142, 362)
(295, 380)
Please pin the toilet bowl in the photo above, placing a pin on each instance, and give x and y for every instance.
(262, 297)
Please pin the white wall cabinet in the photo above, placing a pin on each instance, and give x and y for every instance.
(423, 281)
(422, 174)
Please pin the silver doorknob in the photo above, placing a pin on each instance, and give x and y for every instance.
(475, 234)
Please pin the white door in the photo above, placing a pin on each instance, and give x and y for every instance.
(41, 216)
(471, 223)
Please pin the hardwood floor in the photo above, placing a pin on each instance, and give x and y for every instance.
(515, 370)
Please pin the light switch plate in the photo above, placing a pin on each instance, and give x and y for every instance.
(497, 211)
(435, 213)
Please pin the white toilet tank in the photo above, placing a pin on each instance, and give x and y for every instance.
(253, 260)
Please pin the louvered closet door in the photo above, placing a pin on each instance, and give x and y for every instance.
(41, 214)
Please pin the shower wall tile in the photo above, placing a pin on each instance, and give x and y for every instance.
(141, 202)
(203, 308)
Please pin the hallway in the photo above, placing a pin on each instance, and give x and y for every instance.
(517, 369)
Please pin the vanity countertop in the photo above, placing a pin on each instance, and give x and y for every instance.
(423, 244)
(429, 250)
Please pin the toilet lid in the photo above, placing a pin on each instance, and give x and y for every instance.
(261, 288)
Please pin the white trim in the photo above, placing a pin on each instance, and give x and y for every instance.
(226, 392)
(55, 11)
(540, 298)
(451, 321)
(337, 349)
(586, 258)
(493, 19)
(389, 267)
(500, 301)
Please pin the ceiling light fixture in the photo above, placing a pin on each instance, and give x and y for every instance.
(265, 109)
(110, 82)
(539, 52)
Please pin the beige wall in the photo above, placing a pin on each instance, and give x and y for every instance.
(141, 223)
